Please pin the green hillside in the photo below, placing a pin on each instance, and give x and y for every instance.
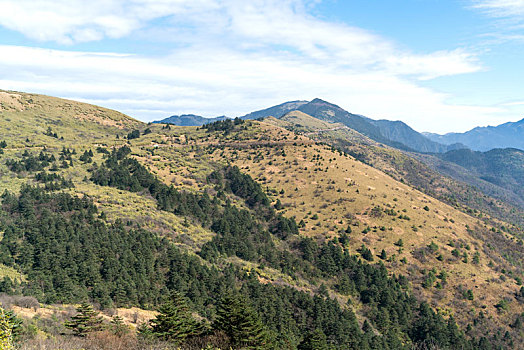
(501, 167)
(244, 220)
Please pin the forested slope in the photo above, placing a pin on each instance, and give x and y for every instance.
(322, 248)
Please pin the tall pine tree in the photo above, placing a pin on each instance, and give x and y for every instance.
(86, 321)
(175, 321)
(240, 323)
(314, 340)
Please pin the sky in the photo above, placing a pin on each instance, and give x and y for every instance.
(438, 65)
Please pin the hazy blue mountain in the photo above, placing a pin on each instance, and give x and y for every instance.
(403, 133)
(275, 111)
(507, 135)
(189, 120)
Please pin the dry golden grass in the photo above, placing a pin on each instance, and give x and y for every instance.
(341, 191)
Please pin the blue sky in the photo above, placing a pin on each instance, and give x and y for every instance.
(438, 65)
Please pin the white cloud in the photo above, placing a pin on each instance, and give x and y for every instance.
(228, 57)
(259, 25)
(69, 21)
(501, 8)
(210, 82)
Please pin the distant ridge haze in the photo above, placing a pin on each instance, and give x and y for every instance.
(189, 120)
(396, 134)
(507, 135)
(393, 133)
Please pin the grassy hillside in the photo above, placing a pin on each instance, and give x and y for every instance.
(31, 116)
(462, 189)
(344, 209)
(330, 191)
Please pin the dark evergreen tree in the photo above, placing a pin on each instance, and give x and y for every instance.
(314, 340)
(86, 321)
(118, 327)
(175, 321)
(240, 323)
(133, 134)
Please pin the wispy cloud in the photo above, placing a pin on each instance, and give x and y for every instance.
(210, 81)
(514, 103)
(257, 25)
(72, 21)
(229, 57)
(501, 8)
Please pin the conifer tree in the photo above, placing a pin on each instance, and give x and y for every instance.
(240, 323)
(86, 321)
(118, 327)
(174, 321)
(315, 340)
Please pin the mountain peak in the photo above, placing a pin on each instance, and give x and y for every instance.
(319, 101)
(276, 111)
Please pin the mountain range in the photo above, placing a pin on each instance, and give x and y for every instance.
(448, 154)
(303, 232)
(394, 133)
(507, 135)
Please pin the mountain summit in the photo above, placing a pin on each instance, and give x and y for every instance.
(392, 133)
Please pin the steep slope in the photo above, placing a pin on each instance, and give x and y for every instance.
(507, 135)
(224, 226)
(189, 120)
(330, 191)
(393, 133)
(301, 122)
(462, 189)
(334, 114)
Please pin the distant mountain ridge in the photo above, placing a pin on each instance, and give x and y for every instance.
(507, 135)
(189, 120)
(393, 133)
(401, 132)
(503, 167)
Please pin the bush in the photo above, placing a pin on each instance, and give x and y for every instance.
(6, 332)
(133, 134)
